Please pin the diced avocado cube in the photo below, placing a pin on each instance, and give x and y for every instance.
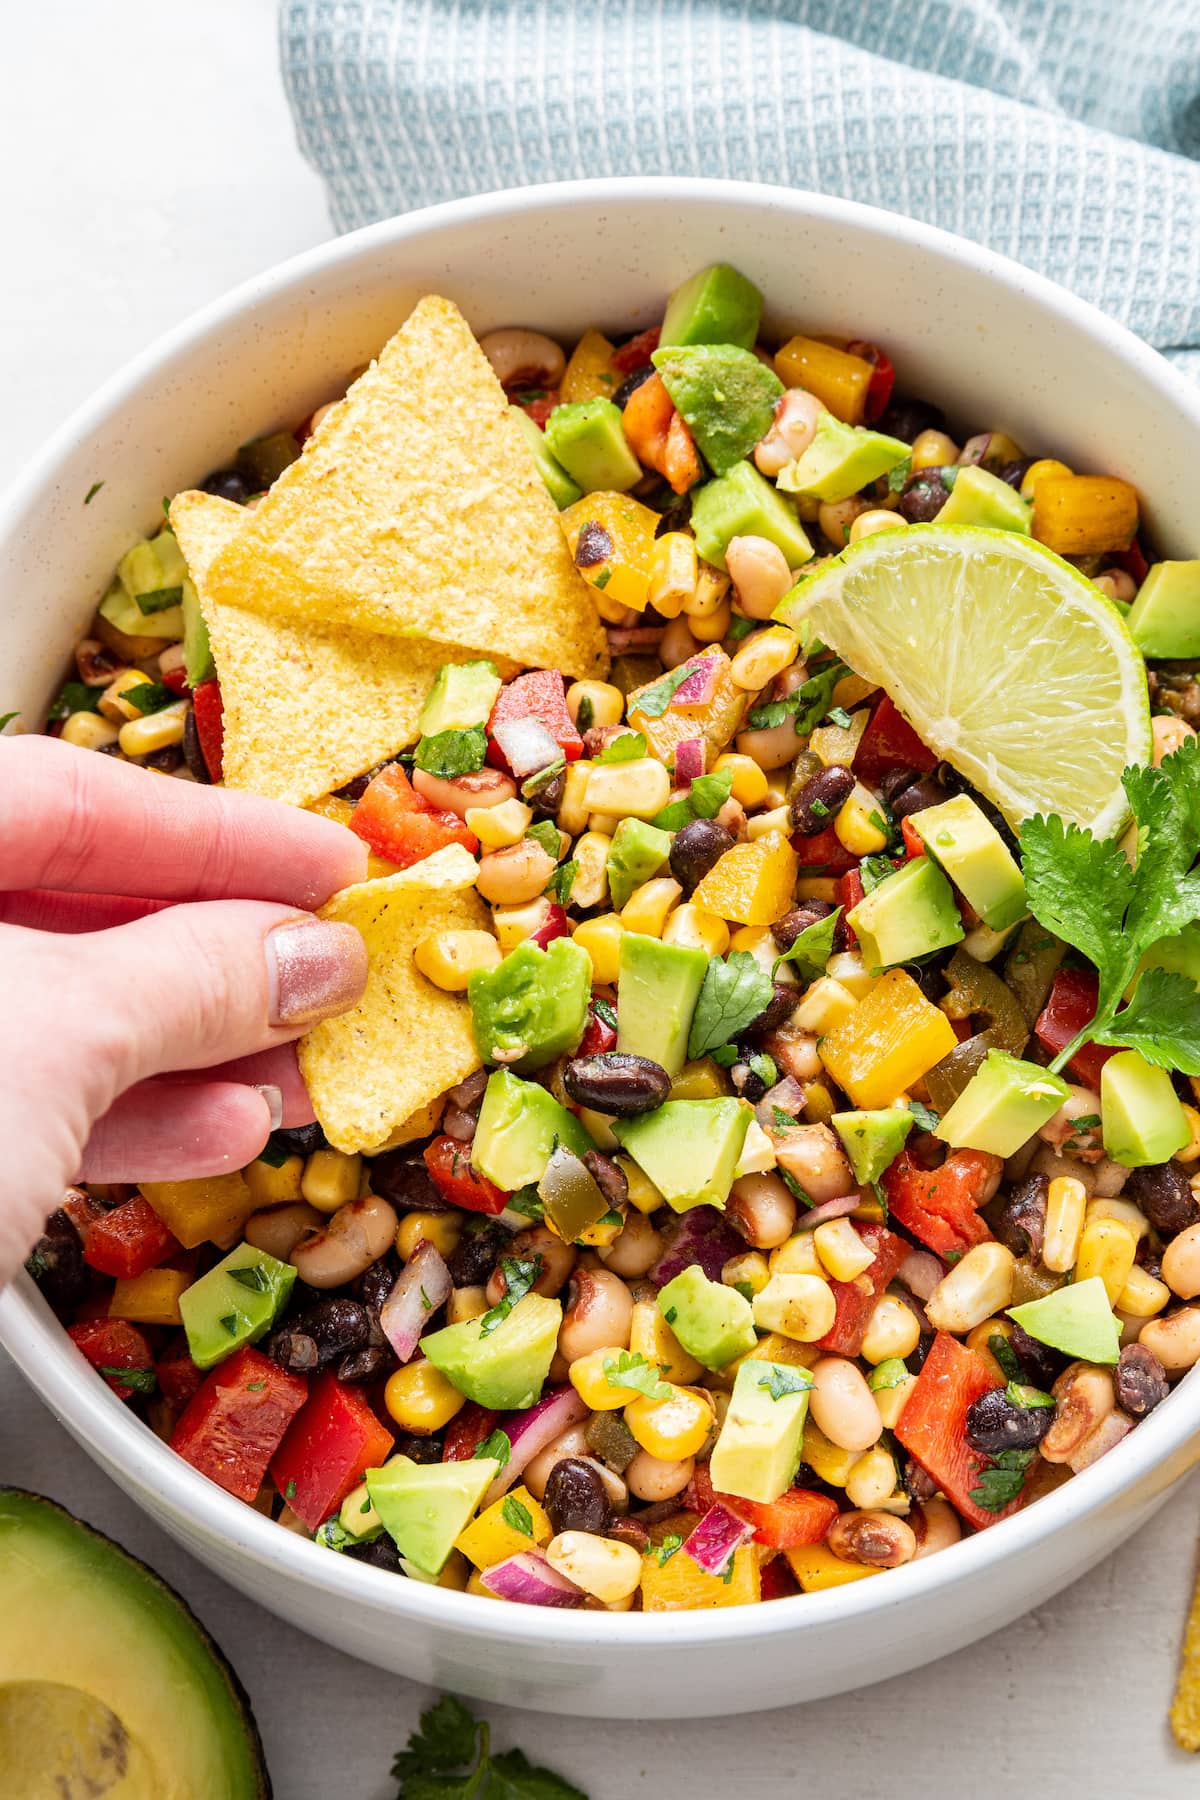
(1003, 1104)
(424, 1506)
(724, 395)
(121, 610)
(562, 490)
(236, 1303)
(744, 504)
(688, 1148)
(533, 1006)
(872, 1139)
(198, 663)
(1143, 1120)
(502, 1365)
(1165, 617)
(519, 1125)
(840, 460)
(980, 498)
(462, 695)
(716, 306)
(588, 439)
(357, 1517)
(907, 915)
(714, 1323)
(1076, 1319)
(758, 1451)
(658, 986)
(153, 567)
(638, 851)
(963, 841)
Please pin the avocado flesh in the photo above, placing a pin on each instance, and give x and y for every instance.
(1076, 1319)
(100, 1661)
(979, 498)
(657, 990)
(1003, 1104)
(723, 394)
(637, 852)
(424, 1506)
(1143, 1121)
(562, 490)
(519, 1125)
(962, 840)
(587, 438)
(873, 1139)
(714, 1323)
(688, 1148)
(743, 503)
(462, 695)
(840, 460)
(908, 914)
(235, 1303)
(1164, 620)
(198, 662)
(717, 305)
(504, 1368)
(533, 1005)
(758, 1450)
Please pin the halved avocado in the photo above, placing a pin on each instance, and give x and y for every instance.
(110, 1687)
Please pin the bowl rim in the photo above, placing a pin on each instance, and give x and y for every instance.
(52, 1365)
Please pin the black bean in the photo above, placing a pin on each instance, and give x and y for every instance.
(907, 417)
(1041, 1365)
(695, 849)
(996, 1424)
(371, 1363)
(915, 1482)
(293, 1350)
(615, 1082)
(632, 383)
(894, 781)
(1140, 1380)
(917, 795)
(227, 484)
(56, 1263)
(1019, 1219)
(1014, 473)
(923, 498)
(164, 761)
(781, 1006)
(380, 1553)
(193, 755)
(402, 1177)
(575, 1499)
(785, 931)
(628, 1531)
(675, 516)
(814, 806)
(915, 1361)
(1165, 1196)
(336, 1325)
(301, 1140)
(747, 1084)
(547, 800)
(609, 1177)
(377, 1281)
(476, 1254)
(806, 1477)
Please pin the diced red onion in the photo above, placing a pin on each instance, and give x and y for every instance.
(529, 1578)
(841, 1208)
(975, 449)
(715, 1539)
(698, 688)
(527, 745)
(787, 1095)
(554, 925)
(700, 1236)
(689, 761)
(530, 1431)
(623, 638)
(469, 1091)
(458, 1124)
(920, 1273)
(422, 1285)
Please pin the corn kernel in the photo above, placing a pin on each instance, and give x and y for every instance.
(112, 702)
(872, 1480)
(824, 1457)
(466, 1303)
(88, 731)
(854, 824)
(711, 593)
(798, 1256)
(758, 1153)
(1066, 1203)
(764, 822)
(450, 958)
(825, 1006)
(797, 1306)
(747, 1270)
(1107, 1249)
(157, 731)
(1143, 1294)
(1045, 465)
(866, 525)
(696, 929)
(497, 827)
(1191, 1150)
(711, 629)
(572, 808)
(603, 1567)
(607, 703)
(419, 1398)
(650, 1336)
(590, 885)
(893, 1329)
(442, 1230)
(638, 789)
(841, 1250)
(933, 450)
(275, 1186)
(648, 907)
(673, 1425)
(981, 1284)
(601, 938)
(330, 1179)
(749, 781)
(516, 923)
(673, 573)
(763, 656)
(848, 968)
(588, 1377)
(1115, 1208)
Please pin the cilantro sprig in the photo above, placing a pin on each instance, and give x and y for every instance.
(1003, 1481)
(812, 948)
(449, 1757)
(450, 753)
(1083, 889)
(735, 992)
(629, 747)
(633, 1371)
(703, 800)
(808, 705)
(520, 1273)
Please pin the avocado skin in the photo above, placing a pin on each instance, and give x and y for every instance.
(36, 1529)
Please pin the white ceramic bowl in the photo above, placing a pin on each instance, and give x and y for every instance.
(993, 343)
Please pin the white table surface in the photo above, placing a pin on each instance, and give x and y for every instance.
(149, 164)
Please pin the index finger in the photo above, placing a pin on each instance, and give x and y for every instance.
(77, 820)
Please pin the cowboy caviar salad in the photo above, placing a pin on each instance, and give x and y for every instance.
(764, 1151)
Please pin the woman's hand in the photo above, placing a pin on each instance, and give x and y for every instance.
(141, 1038)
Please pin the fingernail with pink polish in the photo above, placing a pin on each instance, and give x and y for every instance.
(315, 968)
(274, 1099)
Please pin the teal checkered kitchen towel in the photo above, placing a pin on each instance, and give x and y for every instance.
(1065, 133)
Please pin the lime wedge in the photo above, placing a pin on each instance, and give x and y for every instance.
(1004, 659)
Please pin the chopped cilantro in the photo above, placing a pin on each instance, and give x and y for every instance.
(73, 697)
(925, 1117)
(254, 1277)
(562, 881)
(520, 1273)
(7, 719)
(142, 1381)
(289, 1492)
(1004, 1354)
(838, 715)
(451, 753)
(703, 800)
(1003, 1481)
(811, 948)
(527, 1201)
(793, 1186)
(763, 1066)
(149, 697)
(782, 1379)
(653, 701)
(92, 492)
(497, 1444)
(541, 779)
(734, 993)
(517, 1516)
(547, 834)
(605, 1011)
(584, 714)
(156, 600)
(662, 1553)
(602, 579)
(255, 1387)
(628, 1370)
(739, 628)
(782, 1121)
(629, 747)
(806, 706)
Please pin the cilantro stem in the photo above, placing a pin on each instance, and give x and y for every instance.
(1079, 1040)
(480, 1771)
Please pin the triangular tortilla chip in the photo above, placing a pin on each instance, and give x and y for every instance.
(416, 510)
(307, 706)
(406, 1041)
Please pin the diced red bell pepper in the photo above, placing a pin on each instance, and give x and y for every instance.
(637, 352)
(399, 824)
(658, 436)
(179, 1379)
(939, 1206)
(113, 1344)
(176, 680)
(467, 1430)
(914, 844)
(889, 742)
(209, 714)
(233, 1426)
(332, 1439)
(1133, 561)
(1071, 1006)
(933, 1425)
(449, 1165)
(879, 390)
(856, 1299)
(539, 403)
(824, 851)
(797, 1517)
(539, 695)
(777, 1581)
(555, 925)
(597, 1035)
(129, 1240)
(699, 1494)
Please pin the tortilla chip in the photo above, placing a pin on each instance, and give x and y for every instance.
(307, 706)
(1185, 1708)
(406, 1041)
(416, 510)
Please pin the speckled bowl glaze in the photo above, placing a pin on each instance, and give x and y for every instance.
(995, 345)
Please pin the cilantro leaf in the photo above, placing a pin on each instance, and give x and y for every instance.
(497, 1444)
(74, 696)
(1162, 1021)
(520, 1273)
(585, 714)
(874, 870)
(142, 1381)
(541, 779)
(653, 702)
(253, 1276)
(735, 992)
(562, 881)
(1006, 1356)
(513, 1777)
(517, 1516)
(662, 1553)
(546, 833)
(926, 1119)
(149, 697)
(633, 1371)
(781, 1380)
(528, 1202)
(449, 1758)
(7, 719)
(156, 600)
(898, 477)
(808, 705)
(703, 800)
(812, 948)
(92, 492)
(1079, 887)
(605, 1011)
(793, 1186)
(762, 1065)
(627, 748)
(1003, 1481)
(450, 753)
(446, 1739)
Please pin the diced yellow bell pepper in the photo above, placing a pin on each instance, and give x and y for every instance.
(892, 1038)
(420, 1124)
(816, 1568)
(838, 379)
(203, 1210)
(497, 1532)
(588, 375)
(275, 1184)
(623, 576)
(699, 1081)
(716, 721)
(332, 806)
(1084, 515)
(681, 1585)
(642, 1192)
(752, 883)
(149, 1299)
